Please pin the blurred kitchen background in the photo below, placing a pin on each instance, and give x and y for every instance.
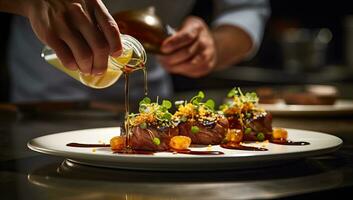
(305, 42)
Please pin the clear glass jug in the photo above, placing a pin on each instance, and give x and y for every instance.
(132, 58)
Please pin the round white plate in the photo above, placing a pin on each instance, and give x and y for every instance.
(55, 144)
(341, 107)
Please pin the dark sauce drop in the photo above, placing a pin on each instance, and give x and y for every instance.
(73, 144)
(190, 152)
(132, 151)
(288, 142)
(238, 146)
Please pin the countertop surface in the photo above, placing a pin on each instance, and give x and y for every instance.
(26, 174)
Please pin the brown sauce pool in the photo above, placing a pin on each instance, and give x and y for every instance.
(289, 142)
(188, 151)
(238, 146)
(73, 144)
(131, 151)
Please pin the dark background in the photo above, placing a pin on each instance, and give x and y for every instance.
(284, 14)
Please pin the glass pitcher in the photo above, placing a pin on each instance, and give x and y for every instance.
(132, 58)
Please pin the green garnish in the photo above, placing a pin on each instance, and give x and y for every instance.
(145, 100)
(233, 92)
(143, 125)
(196, 109)
(167, 104)
(247, 130)
(248, 115)
(159, 114)
(223, 106)
(194, 129)
(260, 136)
(249, 97)
(198, 98)
(167, 116)
(197, 101)
(210, 104)
(156, 141)
(239, 102)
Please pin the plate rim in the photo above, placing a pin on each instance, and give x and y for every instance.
(64, 153)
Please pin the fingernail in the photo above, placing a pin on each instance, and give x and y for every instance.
(98, 71)
(167, 49)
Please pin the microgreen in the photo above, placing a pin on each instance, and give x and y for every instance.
(198, 98)
(210, 104)
(157, 114)
(239, 99)
(233, 92)
(197, 101)
(145, 100)
(249, 97)
(197, 107)
(167, 104)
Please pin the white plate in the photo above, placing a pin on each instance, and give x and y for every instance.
(341, 107)
(55, 144)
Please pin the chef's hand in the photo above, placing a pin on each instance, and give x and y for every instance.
(81, 32)
(191, 51)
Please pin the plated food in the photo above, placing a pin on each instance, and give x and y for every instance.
(197, 122)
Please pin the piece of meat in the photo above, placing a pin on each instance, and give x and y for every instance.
(262, 124)
(207, 134)
(143, 139)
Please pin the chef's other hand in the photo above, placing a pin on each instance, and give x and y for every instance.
(191, 51)
(81, 32)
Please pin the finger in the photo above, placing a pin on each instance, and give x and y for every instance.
(182, 55)
(194, 67)
(191, 70)
(203, 65)
(62, 51)
(109, 27)
(184, 37)
(77, 44)
(81, 52)
(94, 38)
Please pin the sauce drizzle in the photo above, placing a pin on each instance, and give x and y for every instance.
(188, 151)
(289, 142)
(237, 146)
(73, 144)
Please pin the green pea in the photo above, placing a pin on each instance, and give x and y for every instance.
(247, 130)
(195, 129)
(260, 136)
(156, 141)
(143, 125)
